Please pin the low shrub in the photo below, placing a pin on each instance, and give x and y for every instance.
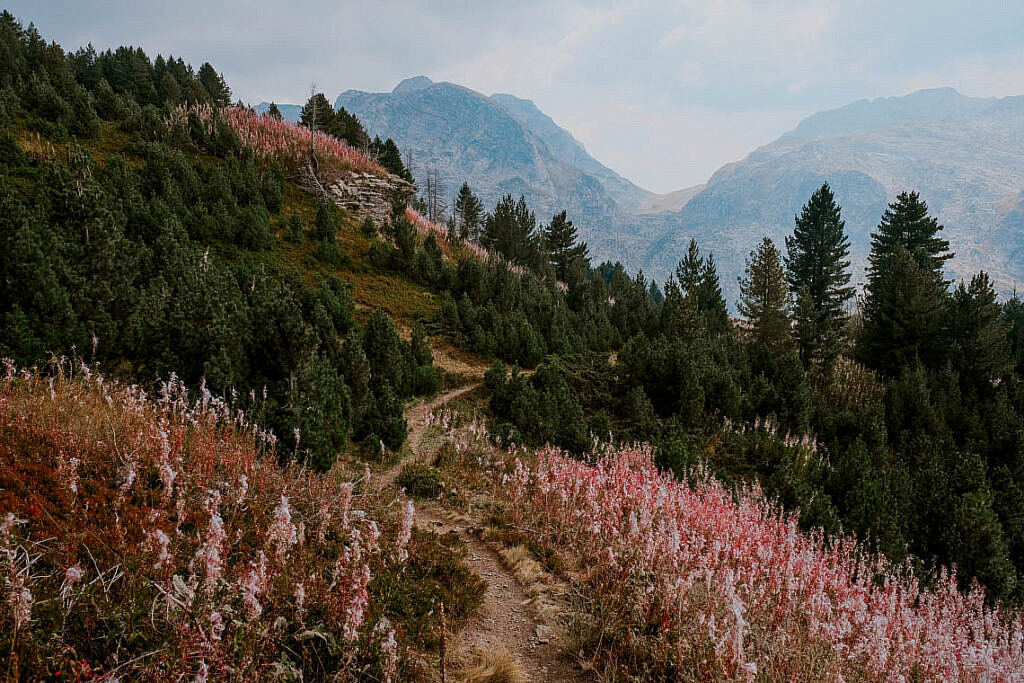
(420, 480)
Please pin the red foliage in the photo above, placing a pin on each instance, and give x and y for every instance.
(699, 581)
(143, 537)
(288, 143)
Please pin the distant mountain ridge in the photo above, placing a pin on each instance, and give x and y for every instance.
(566, 148)
(499, 145)
(289, 112)
(965, 155)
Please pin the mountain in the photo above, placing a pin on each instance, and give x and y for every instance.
(289, 112)
(505, 145)
(468, 137)
(963, 154)
(569, 150)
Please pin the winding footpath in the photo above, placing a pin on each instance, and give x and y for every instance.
(507, 619)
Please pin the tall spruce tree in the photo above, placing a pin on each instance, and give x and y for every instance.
(978, 344)
(712, 303)
(318, 113)
(701, 289)
(273, 112)
(468, 213)
(216, 86)
(389, 156)
(690, 268)
(764, 300)
(906, 289)
(1012, 319)
(906, 223)
(817, 271)
(347, 126)
(511, 231)
(904, 322)
(560, 238)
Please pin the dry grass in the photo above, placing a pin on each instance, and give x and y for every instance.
(534, 579)
(110, 141)
(526, 569)
(492, 666)
(458, 362)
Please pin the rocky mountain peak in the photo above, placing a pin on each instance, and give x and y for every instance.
(414, 83)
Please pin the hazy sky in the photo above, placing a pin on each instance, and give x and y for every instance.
(663, 92)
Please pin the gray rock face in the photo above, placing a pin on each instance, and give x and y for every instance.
(564, 147)
(365, 194)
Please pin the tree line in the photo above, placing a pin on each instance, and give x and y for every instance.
(898, 417)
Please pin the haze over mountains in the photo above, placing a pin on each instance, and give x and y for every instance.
(965, 155)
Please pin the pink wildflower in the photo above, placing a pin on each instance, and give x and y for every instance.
(405, 532)
(254, 584)
(357, 604)
(282, 533)
(209, 554)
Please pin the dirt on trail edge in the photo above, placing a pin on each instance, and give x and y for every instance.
(507, 619)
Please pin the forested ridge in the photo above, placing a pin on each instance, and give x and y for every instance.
(153, 244)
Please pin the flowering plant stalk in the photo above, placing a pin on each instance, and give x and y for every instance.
(696, 580)
(167, 526)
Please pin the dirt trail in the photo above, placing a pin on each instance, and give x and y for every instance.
(506, 619)
(416, 417)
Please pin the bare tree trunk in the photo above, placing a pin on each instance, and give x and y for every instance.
(312, 130)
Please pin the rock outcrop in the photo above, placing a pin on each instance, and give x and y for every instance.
(366, 194)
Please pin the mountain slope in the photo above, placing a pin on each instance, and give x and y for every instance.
(962, 154)
(467, 137)
(569, 150)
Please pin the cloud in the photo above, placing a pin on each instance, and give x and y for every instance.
(980, 75)
(663, 147)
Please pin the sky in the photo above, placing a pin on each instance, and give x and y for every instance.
(664, 92)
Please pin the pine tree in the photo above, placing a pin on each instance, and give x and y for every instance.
(979, 348)
(903, 324)
(1012, 319)
(817, 270)
(711, 303)
(689, 269)
(654, 294)
(511, 231)
(273, 112)
(389, 156)
(216, 87)
(906, 223)
(560, 239)
(318, 114)
(346, 126)
(764, 300)
(906, 291)
(468, 213)
(325, 227)
(701, 291)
